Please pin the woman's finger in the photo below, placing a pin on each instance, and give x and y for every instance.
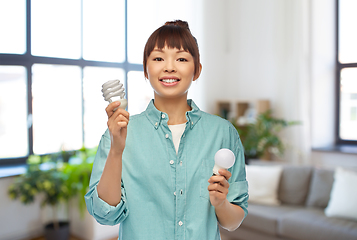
(225, 173)
(110, 108)
(218, 179)
(218, 188)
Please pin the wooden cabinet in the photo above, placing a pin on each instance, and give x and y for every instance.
(234, 110)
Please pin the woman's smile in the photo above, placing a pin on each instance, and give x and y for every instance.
(169, 81)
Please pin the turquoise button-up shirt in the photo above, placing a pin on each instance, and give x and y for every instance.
(164, 194)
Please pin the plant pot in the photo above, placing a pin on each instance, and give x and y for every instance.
(62, 233)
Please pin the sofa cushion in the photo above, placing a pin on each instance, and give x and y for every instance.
(294, 184)
(263, 184)
(311, 223)
(320, 188)
(343, 199)
(264, 218)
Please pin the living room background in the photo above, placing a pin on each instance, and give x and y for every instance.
(279, 50)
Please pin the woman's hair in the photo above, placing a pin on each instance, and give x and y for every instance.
(175, 34)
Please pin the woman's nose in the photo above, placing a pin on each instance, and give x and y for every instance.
(170, 67)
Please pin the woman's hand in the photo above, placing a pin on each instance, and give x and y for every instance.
(109, 186)
(218, 188)
(117, 125)
(229, 215)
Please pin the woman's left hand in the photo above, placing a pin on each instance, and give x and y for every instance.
(218, 187)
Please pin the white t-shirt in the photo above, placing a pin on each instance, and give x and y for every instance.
(177, 131)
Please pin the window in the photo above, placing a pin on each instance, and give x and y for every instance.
(51, 71)
(13, 111)
(54, 57)
(346, 77)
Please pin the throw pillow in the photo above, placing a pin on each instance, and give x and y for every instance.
(263, 182)
(320, 188)
(294, 184)
(343, 199)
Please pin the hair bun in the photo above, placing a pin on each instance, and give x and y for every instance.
(178, 23)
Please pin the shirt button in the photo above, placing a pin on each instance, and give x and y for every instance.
(180, 223)
(175, 193)
(163, 116)
(167, 135)
(156, 124)
(192, 123)
(172, 162)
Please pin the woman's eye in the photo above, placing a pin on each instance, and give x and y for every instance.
(158, 59)
(182, 60)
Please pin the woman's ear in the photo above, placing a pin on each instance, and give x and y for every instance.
(197, 74)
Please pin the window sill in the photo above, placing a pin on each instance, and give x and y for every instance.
(15, 170)
(10, 171)
(349, 149)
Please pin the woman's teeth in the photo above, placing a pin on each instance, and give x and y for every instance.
(169, 80)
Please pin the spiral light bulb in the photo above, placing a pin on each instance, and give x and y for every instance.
(113, 91)
(224, 159)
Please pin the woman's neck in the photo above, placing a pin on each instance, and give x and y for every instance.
(175, 108)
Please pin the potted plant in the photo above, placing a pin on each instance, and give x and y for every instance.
(44, 178)
(55, 178)
(78, 173)
(260, 138)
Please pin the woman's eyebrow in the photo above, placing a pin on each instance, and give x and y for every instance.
(181, 50)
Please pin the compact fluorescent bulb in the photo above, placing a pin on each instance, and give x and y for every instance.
(112, 91)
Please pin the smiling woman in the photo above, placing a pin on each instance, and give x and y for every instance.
(153, 161)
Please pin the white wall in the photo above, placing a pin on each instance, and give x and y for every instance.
(17, 221)
(243, 45)
(258, 49)
(277, 50)
(323, 73)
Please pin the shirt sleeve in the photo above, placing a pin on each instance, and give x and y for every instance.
(103, 212)
(238, 185)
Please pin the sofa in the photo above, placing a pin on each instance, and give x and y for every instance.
(298, 202)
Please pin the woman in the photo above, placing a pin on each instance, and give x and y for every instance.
(153, 173)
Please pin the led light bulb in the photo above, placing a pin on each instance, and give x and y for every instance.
(224, 159)
(113, 91)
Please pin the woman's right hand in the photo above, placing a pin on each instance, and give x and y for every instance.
(117, 125)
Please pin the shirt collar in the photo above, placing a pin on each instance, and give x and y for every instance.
(156, 117)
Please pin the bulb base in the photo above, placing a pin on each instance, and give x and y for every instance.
(123, 104)
(216, 168)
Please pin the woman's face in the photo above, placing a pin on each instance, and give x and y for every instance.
(170, 72)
